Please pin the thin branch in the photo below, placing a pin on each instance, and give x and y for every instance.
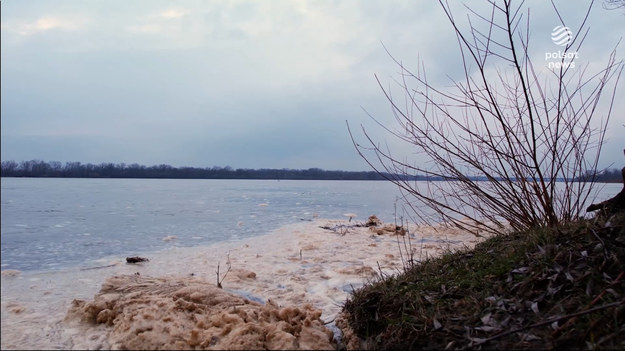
(549, 321)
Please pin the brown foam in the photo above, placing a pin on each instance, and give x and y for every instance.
(189, 313)
(296, 265)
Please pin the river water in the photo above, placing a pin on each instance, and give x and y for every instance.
(62, 238)
(49, 224)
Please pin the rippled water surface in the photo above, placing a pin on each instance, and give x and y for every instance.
(62, 238)
(52, 223)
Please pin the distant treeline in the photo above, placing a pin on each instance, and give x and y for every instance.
(55, 169)
(608, 176)
(36, 168)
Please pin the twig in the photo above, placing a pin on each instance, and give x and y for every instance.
(218, 282)
(330, 321)
(605, 249)
(98, 267)
(225, 274)
(549, 321)
(606, 289)
(571, 321)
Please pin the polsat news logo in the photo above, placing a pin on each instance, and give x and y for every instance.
(561, 36)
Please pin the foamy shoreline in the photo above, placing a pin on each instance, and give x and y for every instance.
(297, 264)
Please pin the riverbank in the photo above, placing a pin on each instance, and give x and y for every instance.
(296, 265)
(543, 289)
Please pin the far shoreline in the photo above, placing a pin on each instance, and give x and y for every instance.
(281, 179)
(55, 169)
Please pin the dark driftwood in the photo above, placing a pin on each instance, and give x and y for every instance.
(136, 259)
(614, 204)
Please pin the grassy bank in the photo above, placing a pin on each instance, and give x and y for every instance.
(540, 289)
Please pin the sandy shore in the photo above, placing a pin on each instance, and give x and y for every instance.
(298, 270)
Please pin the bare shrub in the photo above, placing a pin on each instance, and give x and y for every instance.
(510, 139)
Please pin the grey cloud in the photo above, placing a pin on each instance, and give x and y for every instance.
(245, 84)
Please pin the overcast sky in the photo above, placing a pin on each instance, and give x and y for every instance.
(249, 84)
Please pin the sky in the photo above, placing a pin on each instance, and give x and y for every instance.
(246, 84)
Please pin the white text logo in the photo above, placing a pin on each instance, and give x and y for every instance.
(562, 36)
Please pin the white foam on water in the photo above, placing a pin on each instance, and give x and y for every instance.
(294, 265)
